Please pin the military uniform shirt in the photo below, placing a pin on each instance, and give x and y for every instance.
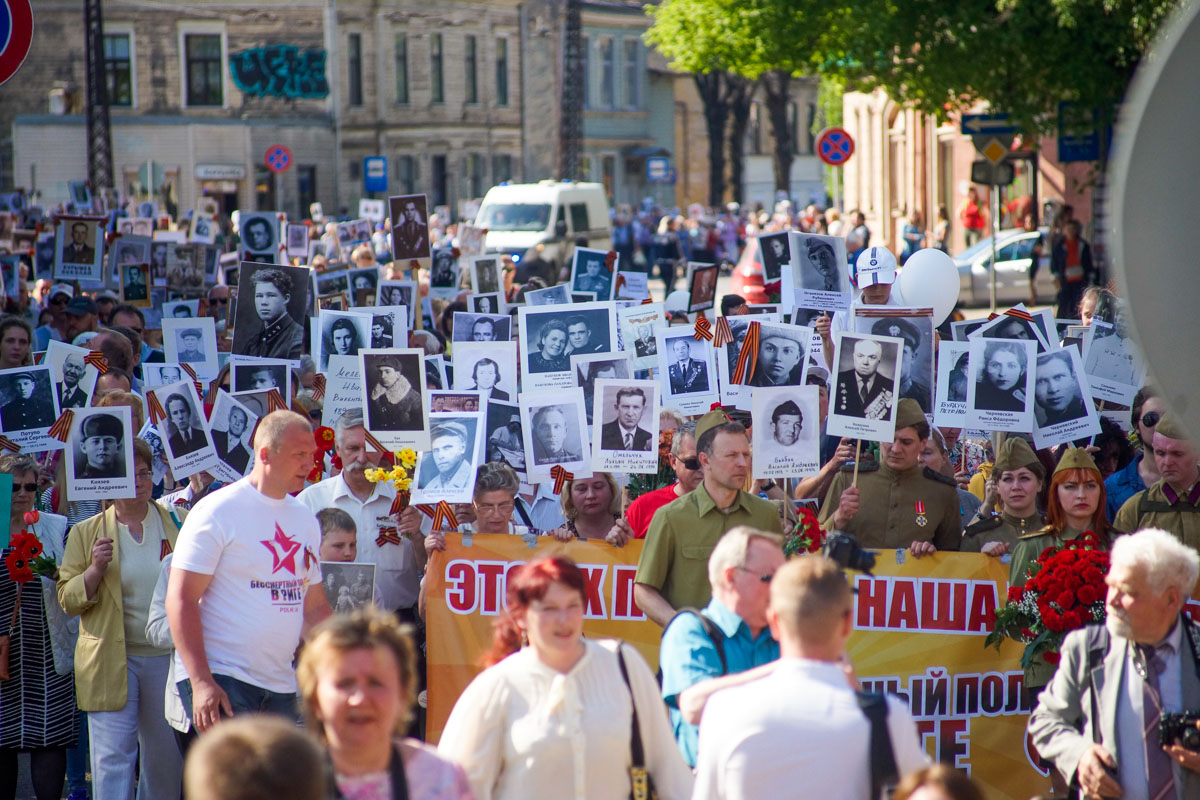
(683, 534)
(893, 505)
(999, 528)
(1161, 507)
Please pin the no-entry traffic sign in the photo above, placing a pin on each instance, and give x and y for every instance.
(16, 35)
(834, 146)
(278, 158)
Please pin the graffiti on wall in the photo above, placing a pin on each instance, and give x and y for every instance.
(280, 70)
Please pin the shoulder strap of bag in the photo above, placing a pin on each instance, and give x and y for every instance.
(710, 629)
(635, 736)
(1098, 643)
(883, 759)
(395, 771)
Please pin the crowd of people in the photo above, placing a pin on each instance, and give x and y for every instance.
(198, 599)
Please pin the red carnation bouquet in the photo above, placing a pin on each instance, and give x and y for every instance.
(807, 537)
(1065, 590)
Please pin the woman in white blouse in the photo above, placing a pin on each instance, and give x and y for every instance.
(551, 716)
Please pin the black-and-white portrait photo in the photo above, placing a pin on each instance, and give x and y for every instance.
(271, 314)
(1000, 395)
(470, 327)
(365, 280)
(435, 372)
(863, 404)
(637, 324)
(192, 341)
(81, 194)
(181, 309)
(551, 337)
(204, 229)
(187, 431)
(79, 253)
(349, 585)
(443, 277)
(555, 430)
(382, 331)
(410, 227)
(184, 430)
(625, 426)
(447, 470)
(396, 398)
(588, 369)
(135, 284)
(786, 434)
(158, 261)
(590, 272)
(820, 277)
(485, 275)
(260, 235)
(1015, 325)
(398, 293)
(342, 333)
(297, 241)
(232, 424)
(136, 226)
(262, 375)
(1113, 362)
(28, 407)
(487, 367)
(492, 303)
(774, 252)
(505, 442)
(130, 250)
(333, 282)
(100, 463)
(162, 374)
(75, 379)
(686, 370)
(953, 374)
(559, 295)
(445, 401)
(1063, 407)
(916, 365)
(782, 355)
(702, 286)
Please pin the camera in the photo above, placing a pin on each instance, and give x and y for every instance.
(1179, 727)
(849, 554)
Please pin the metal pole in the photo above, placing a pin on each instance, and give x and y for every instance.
(837, 190)
(992, 233)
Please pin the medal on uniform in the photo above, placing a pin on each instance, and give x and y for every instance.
(922, 520)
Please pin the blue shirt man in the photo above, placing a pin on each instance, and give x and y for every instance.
(1124, 484)
(740, 570)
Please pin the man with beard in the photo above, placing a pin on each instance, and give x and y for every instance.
(398, 558)
(1056, 391)
(394, 402)
(901, 328)
(550, 437)
(451, 467)
(70, 394)
(22, 412)
(780, 360)
(229, 445)
(102, 435)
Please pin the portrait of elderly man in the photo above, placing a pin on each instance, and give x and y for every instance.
(645, 343)
(228, 443)
(686, 374)
(550, 429)
(188, 347)
(1056, 392)
(185, 437)
(625, 432)
(102, 436)
(274, 334)
(909, 386)
(393, 400)
(23, 411)
(70, 393)
(780, 359)
(448, 465)
(863, 391)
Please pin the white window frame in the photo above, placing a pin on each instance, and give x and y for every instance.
(126, 29)
(188, 27)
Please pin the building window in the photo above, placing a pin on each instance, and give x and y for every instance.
(438, 181)
(475, 174)
(472, 75)
(585, 70)
(354, 69)
(402, 69)
(437, 87)
(118, 68)
(264, 188)
(203, 62)
(501, 168)
(502, 72)
(406, 174)
(633, 98)
(608, 78)
(306, 185)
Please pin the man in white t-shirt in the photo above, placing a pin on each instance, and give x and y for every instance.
(245, 582)
(802, 722)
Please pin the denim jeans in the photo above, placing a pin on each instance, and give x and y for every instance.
(246, 698)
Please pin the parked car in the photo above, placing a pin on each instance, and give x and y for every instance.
(1013, 256)
(747, 279)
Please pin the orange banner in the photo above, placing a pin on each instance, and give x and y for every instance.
(920, 625)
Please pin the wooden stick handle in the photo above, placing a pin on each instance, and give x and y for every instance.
(857, 458)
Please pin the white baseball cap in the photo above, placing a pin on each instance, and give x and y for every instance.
(875, 265)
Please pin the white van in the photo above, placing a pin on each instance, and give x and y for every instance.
(546, 217)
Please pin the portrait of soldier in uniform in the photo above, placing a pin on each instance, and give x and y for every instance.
(102, 437)
(865, 390)
(26, 407)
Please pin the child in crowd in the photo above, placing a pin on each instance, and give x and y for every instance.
(339, 535)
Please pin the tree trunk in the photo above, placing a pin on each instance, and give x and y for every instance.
(777, 85)
(712, 89)
(742, 92)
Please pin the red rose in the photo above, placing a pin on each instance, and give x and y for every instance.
(1052, 657)
(1014, 594)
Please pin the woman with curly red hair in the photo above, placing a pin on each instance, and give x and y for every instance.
(553, 713)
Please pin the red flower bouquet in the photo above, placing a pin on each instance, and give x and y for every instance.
(1065, 590)
(806, 537)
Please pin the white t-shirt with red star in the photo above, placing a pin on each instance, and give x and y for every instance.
(262, 555)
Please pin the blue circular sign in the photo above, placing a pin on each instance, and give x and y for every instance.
(279, 158)
(835, 146)
(16, 35)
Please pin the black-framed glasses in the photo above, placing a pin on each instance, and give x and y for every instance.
(29, 487)
(761, 577)
(692, 463)
(1151, 418)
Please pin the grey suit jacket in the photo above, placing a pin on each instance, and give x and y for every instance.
(1062, 723)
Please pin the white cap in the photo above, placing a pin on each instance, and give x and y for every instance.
(875, 265)
(677, 301)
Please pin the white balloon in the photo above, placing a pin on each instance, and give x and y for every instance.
(930, 279)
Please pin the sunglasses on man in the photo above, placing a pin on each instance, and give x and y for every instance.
(1151, 418)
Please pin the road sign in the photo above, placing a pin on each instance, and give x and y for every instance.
(987, 173)
(16, 35)
(994, 151)
(834, 146)
(1078, 134)
(375, 174)
(657, 168)
(278, 158)
(988, 124)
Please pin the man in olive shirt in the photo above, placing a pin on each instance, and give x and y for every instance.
(897, 503)
(673, 570)
(1173, 501)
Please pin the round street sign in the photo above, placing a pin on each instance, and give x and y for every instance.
(834, 146)
(16, 35)
(279, 158)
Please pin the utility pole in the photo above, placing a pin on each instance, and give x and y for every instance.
(571, 126)
(99, 132)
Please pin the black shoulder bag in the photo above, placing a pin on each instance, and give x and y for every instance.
(884, 774)
(640, 779)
